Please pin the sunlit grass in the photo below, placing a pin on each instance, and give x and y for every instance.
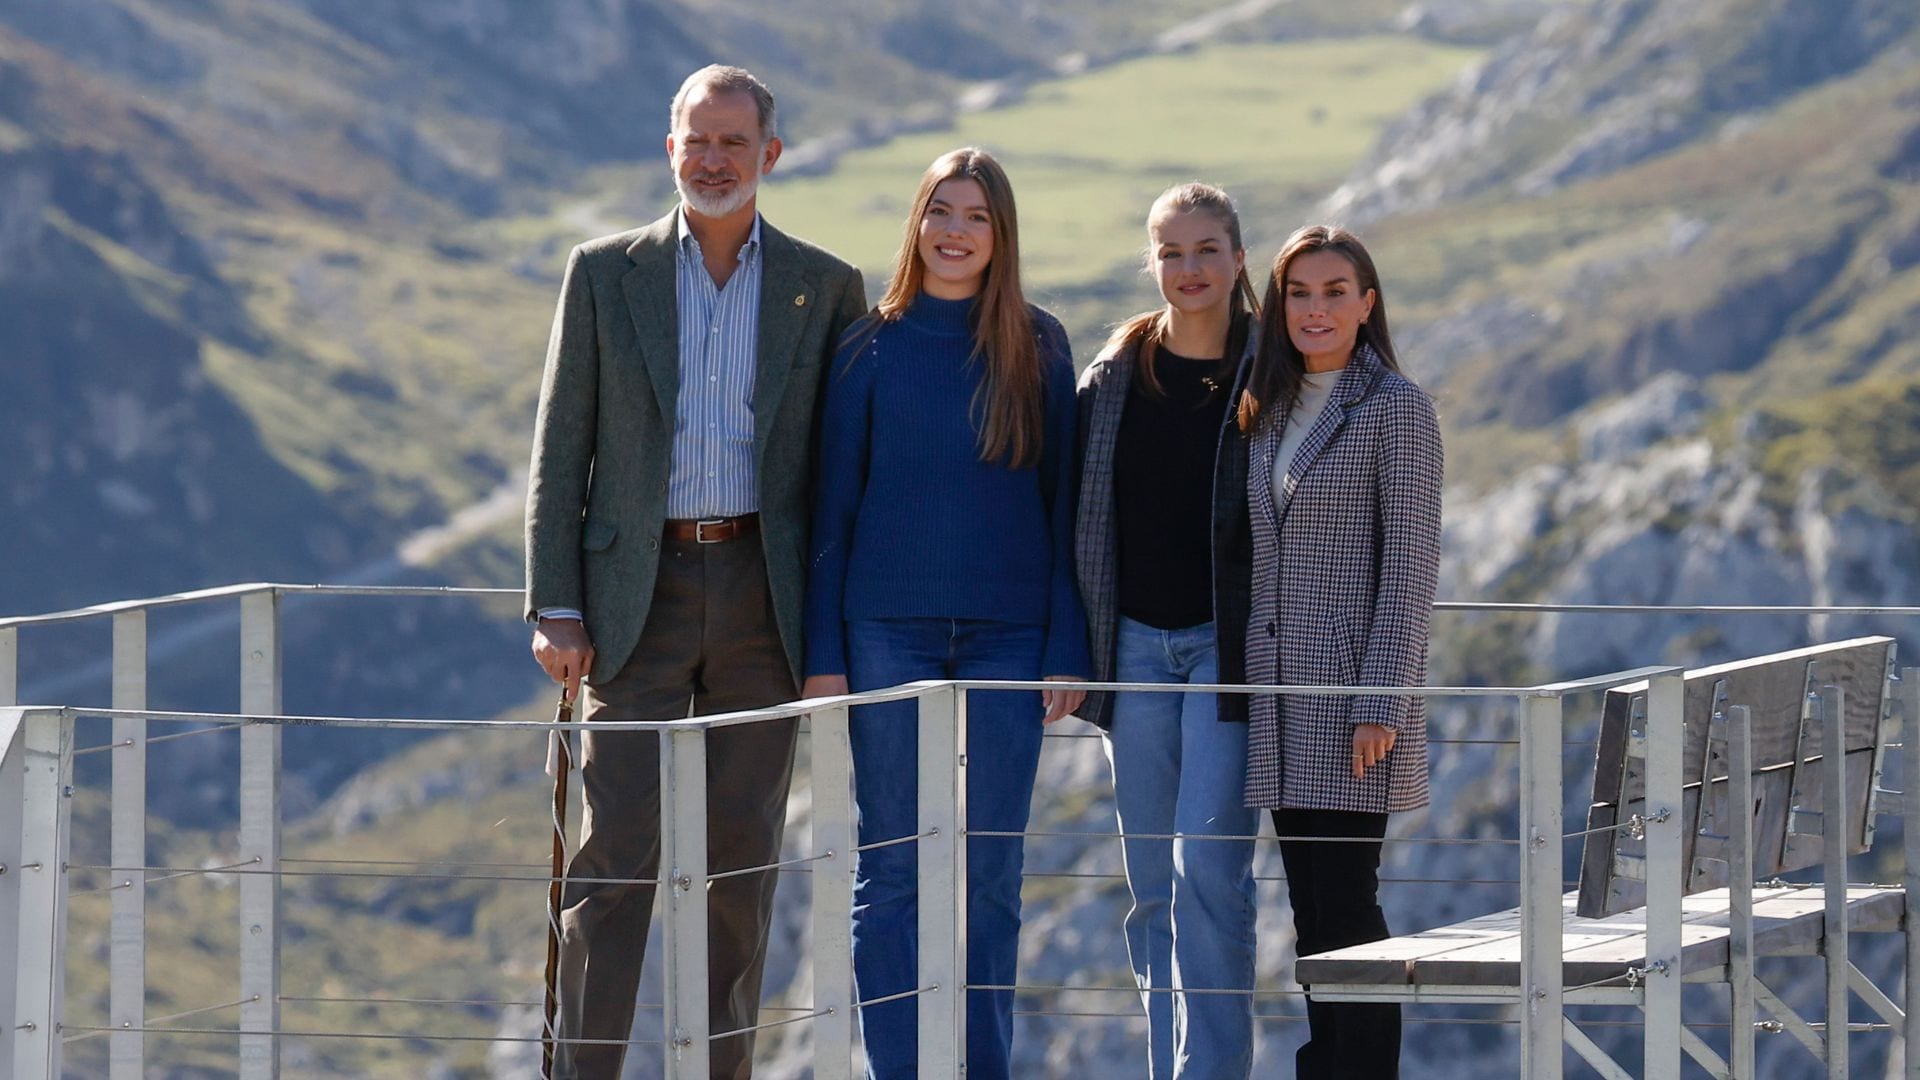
(1087, 155)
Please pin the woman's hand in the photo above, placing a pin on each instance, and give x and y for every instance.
(819, 686)
(1370, 744)
(1062, 701)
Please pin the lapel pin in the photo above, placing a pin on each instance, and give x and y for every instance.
(800, 301)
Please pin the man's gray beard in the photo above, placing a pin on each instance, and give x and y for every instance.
(716, 206)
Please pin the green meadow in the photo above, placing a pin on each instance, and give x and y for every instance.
(1278, 125)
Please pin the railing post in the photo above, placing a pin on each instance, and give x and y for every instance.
(943, 883)
(834, 844)
(1541, 826)
(127, 846)
(1833, 858)
(34, 808)
(683, 862)
(13, 778)
(1909, 690)
(260, 666)
(1740, 887)
(9, 666)
(1666, 739)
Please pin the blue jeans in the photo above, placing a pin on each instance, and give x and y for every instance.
(1177, 768)
(1003, 750)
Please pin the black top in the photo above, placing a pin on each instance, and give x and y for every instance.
(1163, 494)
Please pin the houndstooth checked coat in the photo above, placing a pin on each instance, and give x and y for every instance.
(1103, 399)
(1344, 570)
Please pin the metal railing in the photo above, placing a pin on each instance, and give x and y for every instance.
(36, 787)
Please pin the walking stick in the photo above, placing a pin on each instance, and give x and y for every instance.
(559, 760)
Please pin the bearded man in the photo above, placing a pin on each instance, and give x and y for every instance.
(666, 529)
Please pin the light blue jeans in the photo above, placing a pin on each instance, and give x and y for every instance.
(1177, 768)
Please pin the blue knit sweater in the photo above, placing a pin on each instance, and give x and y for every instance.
(908, 521)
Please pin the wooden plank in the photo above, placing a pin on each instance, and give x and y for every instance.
(1391, 960)
(1486, 951)
(1773, 688)
(1610, 755)
(1592, 949)
(1772, 789)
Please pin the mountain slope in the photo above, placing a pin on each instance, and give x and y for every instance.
(1604, 84)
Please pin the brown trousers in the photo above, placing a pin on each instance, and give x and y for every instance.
(710, 645)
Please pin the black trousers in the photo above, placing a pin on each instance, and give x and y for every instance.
(1335, 889)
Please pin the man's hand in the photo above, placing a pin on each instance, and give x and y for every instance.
(819, 686)
(1370, 744)
(564, 653)
(1062, 701)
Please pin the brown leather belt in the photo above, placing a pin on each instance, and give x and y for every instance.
(712, 530)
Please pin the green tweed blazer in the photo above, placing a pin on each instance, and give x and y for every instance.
(597, 491)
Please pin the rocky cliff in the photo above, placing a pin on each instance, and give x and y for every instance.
(1658, 260)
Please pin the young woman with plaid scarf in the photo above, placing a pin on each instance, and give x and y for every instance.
(1153, 407)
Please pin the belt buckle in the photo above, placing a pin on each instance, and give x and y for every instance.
(700, 530)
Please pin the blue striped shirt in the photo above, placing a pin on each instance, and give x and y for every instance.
(713, 474)
(712, 470)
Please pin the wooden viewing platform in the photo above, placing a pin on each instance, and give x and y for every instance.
(1459, 963)
(1744, 770)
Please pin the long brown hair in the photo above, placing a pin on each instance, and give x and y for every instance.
(1279, 367)
(1009, 408)
(1150, 328)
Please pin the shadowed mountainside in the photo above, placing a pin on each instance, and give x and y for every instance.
(1659, 260)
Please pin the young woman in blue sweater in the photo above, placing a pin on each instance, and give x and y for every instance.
(942, 549)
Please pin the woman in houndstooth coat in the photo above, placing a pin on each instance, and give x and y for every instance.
(1343, 490)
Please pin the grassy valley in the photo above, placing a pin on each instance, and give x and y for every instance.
(337, 259)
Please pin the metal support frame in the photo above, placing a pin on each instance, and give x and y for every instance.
(127, 936)
(1592, 1054)
(1833, 857)
(38, 776)
(1707, 1056)
(683, 804)
(1666, 738)
(1509, 998)
(1629, 849)
(13, 778)
(260, 695)
(1740, 888)
(1908, 689)
(943, 882)
(1801, 817)
(1541, 825)
(834, 844)
(1790, 1021)
(1876, 998)
(1883, 729)
(1711, 835)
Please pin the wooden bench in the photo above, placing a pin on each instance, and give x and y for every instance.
(1604, 925)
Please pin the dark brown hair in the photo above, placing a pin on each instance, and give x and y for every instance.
(1150, 328)
(1009, 409)
(1279, 367)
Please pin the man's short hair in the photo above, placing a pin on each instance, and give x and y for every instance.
(719, 78)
